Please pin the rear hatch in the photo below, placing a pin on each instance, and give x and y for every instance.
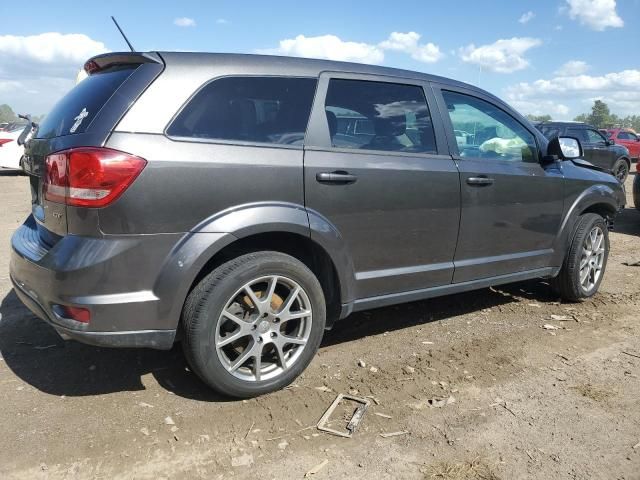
(84, 117)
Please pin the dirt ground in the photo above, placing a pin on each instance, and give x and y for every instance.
(520, 401)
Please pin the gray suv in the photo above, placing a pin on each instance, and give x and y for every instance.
(243, 204)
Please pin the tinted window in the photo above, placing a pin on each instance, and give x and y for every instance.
(250, 109)
(579, 133)
(627, 136)
(379, 116)
(595, 136)
(76, 110)
(549, 131)
(483, 130)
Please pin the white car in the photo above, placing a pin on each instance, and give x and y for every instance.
(10, 151)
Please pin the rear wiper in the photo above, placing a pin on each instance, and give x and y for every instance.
(30, 127)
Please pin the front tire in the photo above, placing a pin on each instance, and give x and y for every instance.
(621, 170)
(586, 260)
(254, 324)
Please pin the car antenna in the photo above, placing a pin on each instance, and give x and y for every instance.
(122, 33)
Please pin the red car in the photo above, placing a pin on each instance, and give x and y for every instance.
(626, 138)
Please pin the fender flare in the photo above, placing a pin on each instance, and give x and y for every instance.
(599, 194)
(197, 247)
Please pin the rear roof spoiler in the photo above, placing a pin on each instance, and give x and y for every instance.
(106, 60)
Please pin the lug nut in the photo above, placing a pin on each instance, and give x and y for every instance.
(274, 334)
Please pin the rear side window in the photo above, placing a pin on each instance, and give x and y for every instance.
(368, 115)
(251, 109)
(549, 132)
(579, 133)
(74, 113)
(627, 136)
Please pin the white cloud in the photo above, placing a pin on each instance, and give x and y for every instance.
(36, 70)
(222, 21)
(52, 47)
(329, 47)
(409, 43)
(572, 67)
(595, 14)
(526, 17)
(184, 22)
(620, 89)
(502, 56)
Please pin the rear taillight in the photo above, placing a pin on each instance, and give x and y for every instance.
(89, 176)
(5, 140)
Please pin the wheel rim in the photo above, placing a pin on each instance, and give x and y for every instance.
(621, 173)
(592, 259)
(264, 328)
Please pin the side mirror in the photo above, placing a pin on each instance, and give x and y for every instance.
(566, 148)
(610, 142)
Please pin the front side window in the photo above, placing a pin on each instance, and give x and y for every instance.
(250, 109)
(482, 130)
(595, 137)
(368, 115)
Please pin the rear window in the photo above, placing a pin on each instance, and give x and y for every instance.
(74, 113)
(251, 109)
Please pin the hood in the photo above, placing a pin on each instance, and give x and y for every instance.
(581, 162)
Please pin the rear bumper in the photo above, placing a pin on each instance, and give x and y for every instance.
(93, 273)
(158, 339)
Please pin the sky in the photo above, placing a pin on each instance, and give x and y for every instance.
(541, 56)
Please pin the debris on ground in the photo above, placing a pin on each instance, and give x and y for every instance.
(242, 461)
(373, 370)
(362, 363)
(316, 469)
(441, 402)
(145, 405)
(169, 421)
(144, 431)
(324, 388)
(394, 434)
(632, 264)
(548, 326)
(354, 421)
(631, 354)
(561, 318)
(383, 415)
(283, 445)
(408, 369)
(637, 445)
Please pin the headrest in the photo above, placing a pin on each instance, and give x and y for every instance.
(390, 126)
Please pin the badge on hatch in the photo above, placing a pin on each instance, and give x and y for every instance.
(78, 120)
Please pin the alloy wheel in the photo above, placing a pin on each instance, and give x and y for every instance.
(592, 259)
(263, 328)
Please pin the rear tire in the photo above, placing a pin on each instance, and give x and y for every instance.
(586, 260)
(253, 324)
(621, 170)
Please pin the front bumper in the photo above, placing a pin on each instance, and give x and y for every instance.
(93, 273)
(636, 190)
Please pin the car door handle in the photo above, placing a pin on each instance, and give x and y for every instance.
(480, 181)
(338, 177)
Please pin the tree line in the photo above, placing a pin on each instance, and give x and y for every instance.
(600, 117)
(8, 115)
